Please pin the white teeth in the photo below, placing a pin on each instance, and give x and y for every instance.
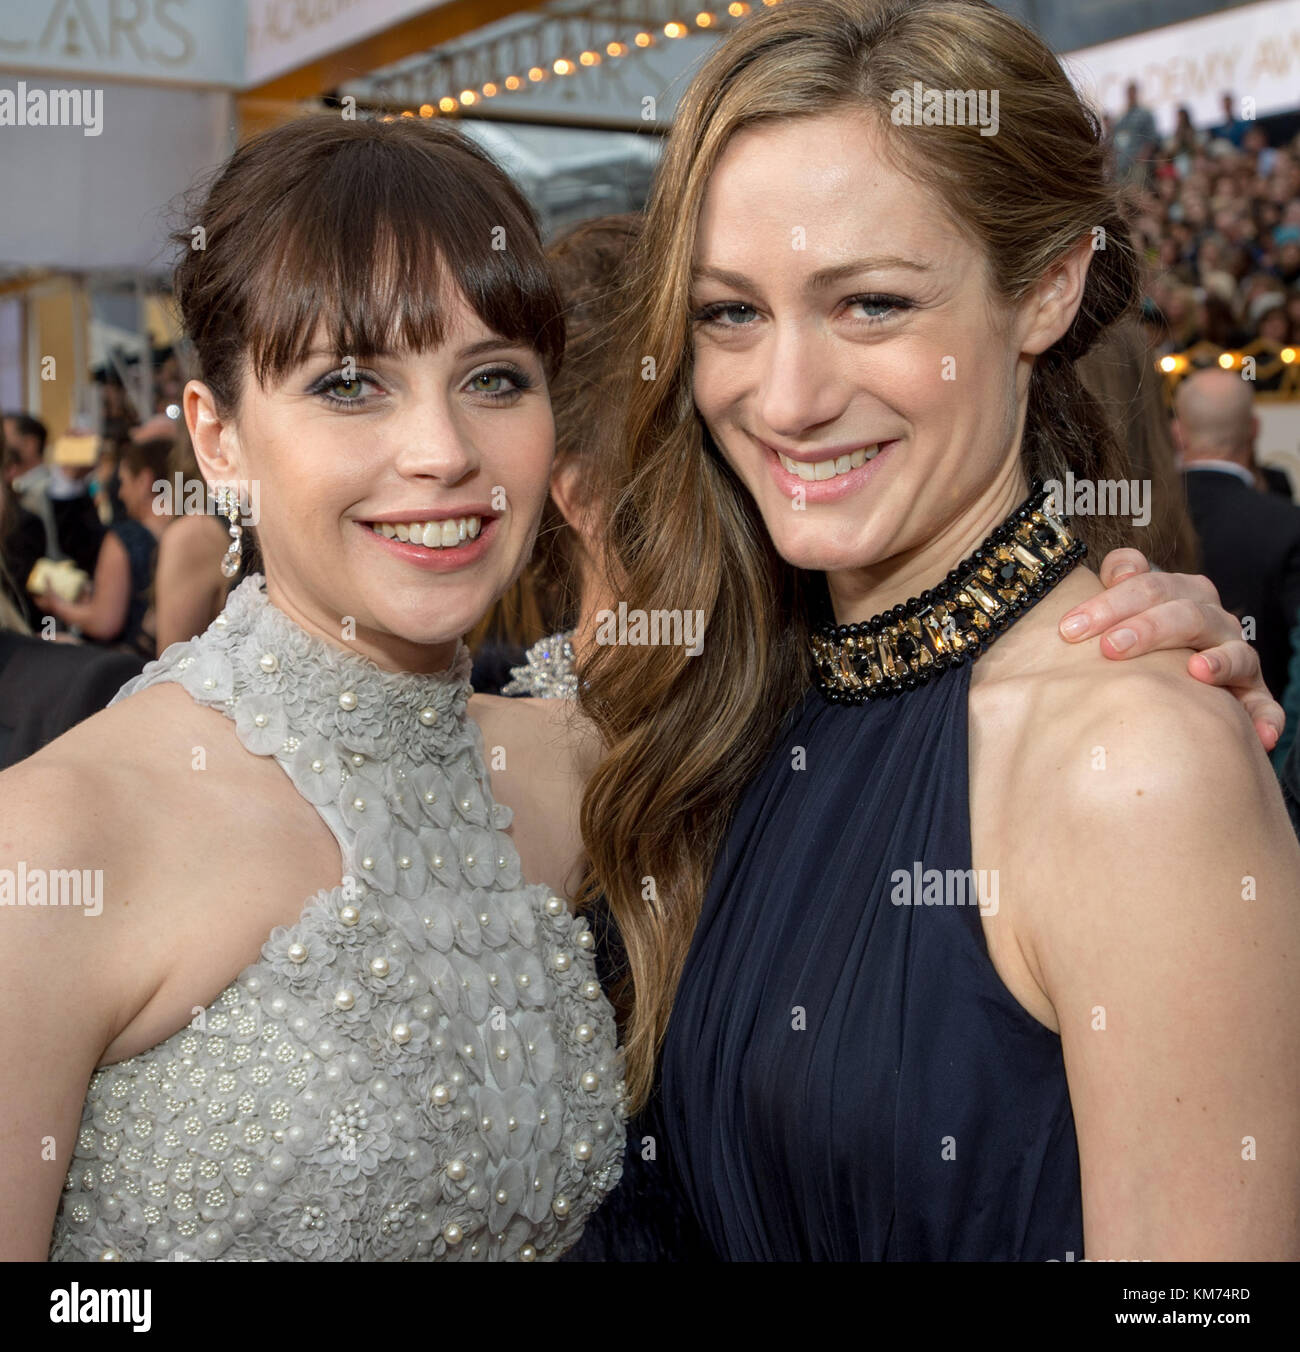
(835, 466)
(443, 534)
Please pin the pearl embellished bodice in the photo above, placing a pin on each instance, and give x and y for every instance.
(423, 1066)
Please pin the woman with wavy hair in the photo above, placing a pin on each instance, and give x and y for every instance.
(948, 939)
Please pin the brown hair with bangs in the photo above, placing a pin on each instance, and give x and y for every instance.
(360, 225)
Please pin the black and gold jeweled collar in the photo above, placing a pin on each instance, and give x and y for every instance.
(897, 650)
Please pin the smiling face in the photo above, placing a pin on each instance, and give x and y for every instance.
(850, 362)
(403, 490)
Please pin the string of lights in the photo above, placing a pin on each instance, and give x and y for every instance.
(492, 55)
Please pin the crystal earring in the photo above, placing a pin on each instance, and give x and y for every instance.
(227, 501)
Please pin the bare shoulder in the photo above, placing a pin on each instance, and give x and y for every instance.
(551, 728)
(1092, 729)
(1104, 782)
(192, 537)
(159, 799)
(84, 788)
(539, 753)
(71, 860)
(111, 792)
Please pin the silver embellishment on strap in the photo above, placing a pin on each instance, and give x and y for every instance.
(548, 670)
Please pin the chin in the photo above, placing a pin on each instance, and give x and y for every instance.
(818, 551)
(428, 617)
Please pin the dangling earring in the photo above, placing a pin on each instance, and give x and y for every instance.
(227, 500)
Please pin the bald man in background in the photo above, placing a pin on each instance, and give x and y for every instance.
(1250, 540)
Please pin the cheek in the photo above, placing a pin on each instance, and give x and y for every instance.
(719, 378)
(520, 464)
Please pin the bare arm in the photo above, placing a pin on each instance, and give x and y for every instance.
(104, 614)
(65, 984)
(1170, 950)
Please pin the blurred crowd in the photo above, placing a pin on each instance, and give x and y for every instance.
(1218, 215)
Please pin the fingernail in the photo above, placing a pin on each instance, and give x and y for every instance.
(1122, 639)
(1212, 662)
(1073, 626)
(1123, 573)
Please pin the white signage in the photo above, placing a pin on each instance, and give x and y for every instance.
(1252, 53)
(285, 34)
(193, 42)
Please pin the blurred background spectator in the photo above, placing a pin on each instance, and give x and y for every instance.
(119, 608)
(1250, 539)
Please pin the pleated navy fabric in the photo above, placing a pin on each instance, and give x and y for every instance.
(845, 1077)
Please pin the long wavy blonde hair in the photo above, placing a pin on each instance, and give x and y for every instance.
(684, 734)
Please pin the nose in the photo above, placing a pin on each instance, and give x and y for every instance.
(435, 443)
(801, 390)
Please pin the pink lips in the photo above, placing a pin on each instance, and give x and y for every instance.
(437, 560)
(826, 490)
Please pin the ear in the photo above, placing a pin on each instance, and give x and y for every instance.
(1048, 311)
(215, 439)
(567, 494)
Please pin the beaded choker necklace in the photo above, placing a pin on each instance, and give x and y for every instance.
(1027, 555)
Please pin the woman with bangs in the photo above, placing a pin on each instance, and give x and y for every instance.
(948, 940)
(418, 1063)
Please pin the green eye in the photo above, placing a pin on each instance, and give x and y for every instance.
(347, 389)
(489, 377)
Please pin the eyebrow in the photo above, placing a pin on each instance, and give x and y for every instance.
(820, 279)
(472, 350)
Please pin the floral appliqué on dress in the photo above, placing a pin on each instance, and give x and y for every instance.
(423, 1066)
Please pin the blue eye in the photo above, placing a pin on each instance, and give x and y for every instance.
(712, 314)
(884, 305)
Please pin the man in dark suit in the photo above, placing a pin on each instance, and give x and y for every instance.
(1250, 540)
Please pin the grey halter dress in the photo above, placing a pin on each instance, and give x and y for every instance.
(423, 1066)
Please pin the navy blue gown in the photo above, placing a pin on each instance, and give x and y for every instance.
(845, 1076)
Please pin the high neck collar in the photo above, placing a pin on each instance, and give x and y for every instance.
(264, 665)
(956, 620)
